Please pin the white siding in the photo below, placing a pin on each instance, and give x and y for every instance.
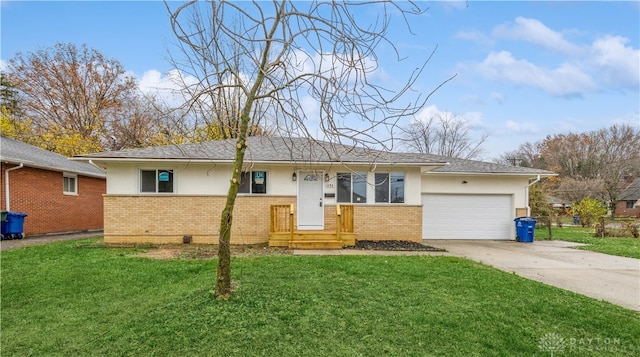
(485, 184)
(195, 179)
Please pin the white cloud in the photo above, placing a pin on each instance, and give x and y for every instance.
(429, 112)
(163, 87)
(536, 32)
(615, 63)
(521, 128)
(565, 80)
(168, 87)
(607, 63)
(632, 119)
(335, 65)
(474, 119)
(471, 119)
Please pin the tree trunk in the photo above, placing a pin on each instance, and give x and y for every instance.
(223, 279)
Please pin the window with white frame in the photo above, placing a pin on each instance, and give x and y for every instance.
(156, 181)
(253, 182)
(351, 187)
(389, 187)
(70, 184)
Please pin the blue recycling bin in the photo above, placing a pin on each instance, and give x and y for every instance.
(525, 228)
(12, 227)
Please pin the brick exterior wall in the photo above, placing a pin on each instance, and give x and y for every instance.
(622, 210)
(388, 222)
(167, 219)
(164, 219)
(39, 194)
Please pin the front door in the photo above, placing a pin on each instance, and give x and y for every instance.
(310, 200)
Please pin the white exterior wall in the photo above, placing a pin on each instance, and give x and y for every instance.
(494, 184)
(195, 178)
(213, 179)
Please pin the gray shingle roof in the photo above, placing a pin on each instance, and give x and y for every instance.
(266, 149)
(472, 166)
(14, 151)
(632, 192)
(289, 150)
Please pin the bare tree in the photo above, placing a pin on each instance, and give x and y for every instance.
(142, 121)
(444, 134)
(211, 109)
(271, 58)
(527, 155)
(620, 158)
(577, 189)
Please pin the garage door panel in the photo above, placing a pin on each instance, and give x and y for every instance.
(467, 216)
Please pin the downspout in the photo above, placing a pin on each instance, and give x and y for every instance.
(6, 185)
(526, 194)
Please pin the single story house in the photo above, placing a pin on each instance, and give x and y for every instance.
(175, 193)
(629, 203)
(57, 194)
(561, 205)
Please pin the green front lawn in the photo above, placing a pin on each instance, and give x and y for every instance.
(624, 247)
(79, 298)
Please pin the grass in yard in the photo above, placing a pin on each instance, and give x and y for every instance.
(79, 298)
(624, 247)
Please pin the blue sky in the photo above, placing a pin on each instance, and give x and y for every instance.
(525, 70)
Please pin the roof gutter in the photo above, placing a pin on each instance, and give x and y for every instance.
(526, 194)
(255, 162)
(6, 185)
(52, 168)
(96, 166)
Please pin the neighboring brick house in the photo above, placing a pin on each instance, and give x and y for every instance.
(176, 193)
(629, 203)
(57, 194)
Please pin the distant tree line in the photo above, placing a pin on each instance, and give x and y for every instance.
(594, 164)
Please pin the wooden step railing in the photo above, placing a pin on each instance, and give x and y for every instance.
(282, 222)
(344, 219)
(282, 219)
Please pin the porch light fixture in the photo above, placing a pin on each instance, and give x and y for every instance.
(326, 177)
(294, 177)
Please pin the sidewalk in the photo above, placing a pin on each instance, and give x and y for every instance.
(347, 251)
(44, 239)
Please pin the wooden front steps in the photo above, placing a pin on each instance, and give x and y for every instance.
(311, 240)
(283, 234)
(315, 240)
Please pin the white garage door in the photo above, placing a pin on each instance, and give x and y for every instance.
(467, 217)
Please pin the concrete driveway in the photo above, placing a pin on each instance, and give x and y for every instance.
(600, 276)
